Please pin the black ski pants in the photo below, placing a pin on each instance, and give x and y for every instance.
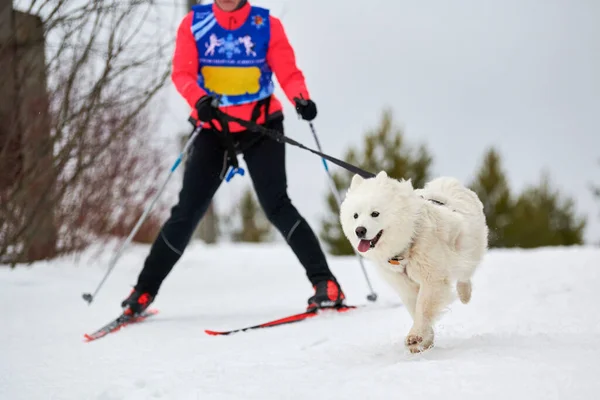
(205, 169)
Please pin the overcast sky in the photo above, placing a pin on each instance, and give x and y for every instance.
(460, 76)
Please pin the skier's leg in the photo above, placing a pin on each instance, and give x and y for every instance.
(266, 165)
(204, 170)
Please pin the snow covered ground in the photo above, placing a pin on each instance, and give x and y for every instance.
(532, 331)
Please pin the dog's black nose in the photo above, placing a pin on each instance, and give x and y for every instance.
(361, 231)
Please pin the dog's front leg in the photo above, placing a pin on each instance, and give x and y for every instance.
(406, 289)
(432, 298)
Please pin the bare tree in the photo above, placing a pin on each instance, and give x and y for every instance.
(76, 162)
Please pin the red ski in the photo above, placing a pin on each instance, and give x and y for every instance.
(119, 323)
(283, 321)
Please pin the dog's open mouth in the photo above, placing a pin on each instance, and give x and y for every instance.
(365, 244)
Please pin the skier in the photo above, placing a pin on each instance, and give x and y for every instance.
(243, 82)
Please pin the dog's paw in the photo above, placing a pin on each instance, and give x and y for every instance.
(412, 340)
(418, 344)
(464, 291)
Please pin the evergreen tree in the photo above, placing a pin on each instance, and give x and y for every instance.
(596, 192)
(543, 217)
(255, 227)
(384, 150)
(492, 188)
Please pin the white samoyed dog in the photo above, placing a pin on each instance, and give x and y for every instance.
(425, 242)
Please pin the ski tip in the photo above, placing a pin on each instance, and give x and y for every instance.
(105, 331)
(90, 338)
(346, 308)
(214, 333)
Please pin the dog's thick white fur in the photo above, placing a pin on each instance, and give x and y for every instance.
(424, 241)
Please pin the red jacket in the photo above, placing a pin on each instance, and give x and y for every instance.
(280, 56)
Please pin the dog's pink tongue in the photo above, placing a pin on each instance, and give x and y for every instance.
(364, 245)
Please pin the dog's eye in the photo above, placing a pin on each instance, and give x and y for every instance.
(355, 215)
(374, 214)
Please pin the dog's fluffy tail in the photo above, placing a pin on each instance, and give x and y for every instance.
(451, 192)
(465, 202)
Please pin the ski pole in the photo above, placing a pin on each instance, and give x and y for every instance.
(371, 296)
(90, 297)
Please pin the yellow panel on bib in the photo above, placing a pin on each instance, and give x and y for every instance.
(231, 81)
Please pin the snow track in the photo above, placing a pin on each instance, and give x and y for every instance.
(532, 331)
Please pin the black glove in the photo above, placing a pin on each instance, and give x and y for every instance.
(306, 108)
(207, 108)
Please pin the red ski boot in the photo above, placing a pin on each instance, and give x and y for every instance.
(137, 302)
(328, 294)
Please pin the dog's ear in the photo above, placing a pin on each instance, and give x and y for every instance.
(356, 180)
(405, 183)
(381, 175)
